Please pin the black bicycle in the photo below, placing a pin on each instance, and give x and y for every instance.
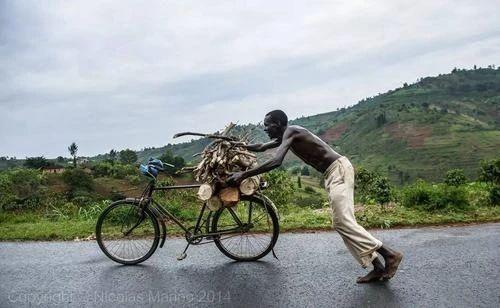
(129, 231)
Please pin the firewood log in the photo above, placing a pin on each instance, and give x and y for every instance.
(205, 192)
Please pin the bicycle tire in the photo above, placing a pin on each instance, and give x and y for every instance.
(275, 233)
(115, 258)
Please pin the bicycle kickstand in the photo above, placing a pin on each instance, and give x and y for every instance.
(183, 255)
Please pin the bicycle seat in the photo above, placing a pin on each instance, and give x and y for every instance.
(153, 167)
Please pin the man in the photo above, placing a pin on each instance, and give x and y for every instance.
(339, 182)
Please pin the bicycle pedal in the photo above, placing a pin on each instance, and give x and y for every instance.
(182, 256)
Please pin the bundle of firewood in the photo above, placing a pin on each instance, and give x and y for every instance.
(225, 155)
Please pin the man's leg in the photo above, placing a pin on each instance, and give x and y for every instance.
(376, 274)
(362, 245)
(392, 259)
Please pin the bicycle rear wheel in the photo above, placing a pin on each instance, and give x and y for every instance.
(127, 234)
(252, 229)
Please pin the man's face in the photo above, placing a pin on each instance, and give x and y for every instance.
(272, 127)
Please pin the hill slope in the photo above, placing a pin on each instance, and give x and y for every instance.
(419, 130)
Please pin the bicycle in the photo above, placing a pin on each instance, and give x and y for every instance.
(129, 231)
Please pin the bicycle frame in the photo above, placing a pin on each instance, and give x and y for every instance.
(161, 214)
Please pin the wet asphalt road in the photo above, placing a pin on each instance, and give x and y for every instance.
(443, 266)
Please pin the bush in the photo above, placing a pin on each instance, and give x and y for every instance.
(305, 171)
(280, 189)
(128, 156)
(78, 181)
(478, 193)
(372, 187)
(455, 177)
(20, 187)
(115, 170)
(381, 190)
(433, 197)
(133, 179)
(295, 170)
(120, 171)
(309, 190)
(102, 169)
(490, 171)
(494, 195)
(313, 201)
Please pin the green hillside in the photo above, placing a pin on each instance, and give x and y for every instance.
(418, 130)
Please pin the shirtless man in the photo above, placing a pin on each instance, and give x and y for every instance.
(339, 182)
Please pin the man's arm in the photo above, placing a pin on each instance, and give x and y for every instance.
(261, 147)
(269, 165)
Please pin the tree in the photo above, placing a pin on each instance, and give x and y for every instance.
(299, 182)
(37, 162)
(295, 170)
(169, 158)
(78, 181)
(305, 171)
(381, 120)
(128, 156)
(112, 155)
(60, 159)
(73, 149)
(455, 177)
(490, 171)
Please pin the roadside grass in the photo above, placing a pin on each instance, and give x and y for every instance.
(19, 226)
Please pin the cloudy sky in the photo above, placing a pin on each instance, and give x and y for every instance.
(129, 74)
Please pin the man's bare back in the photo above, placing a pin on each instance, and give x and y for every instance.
(311, 149)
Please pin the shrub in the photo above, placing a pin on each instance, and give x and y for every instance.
(309, 190)
(363, 180)
(490, 171)
(381, 190)
(433, 197)
(133, 179)
(295, 170)
(128, 156)
(313, 201)
(280, 189)
(115, 170)
(372, 187)
(93, 211)
(455, 177)
(78, 181)
(478, 193)
(102, 169)
(19, 187)
(120, 171)
(494, 195)
(305, 171)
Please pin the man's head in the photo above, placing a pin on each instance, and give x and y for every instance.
(275, 123)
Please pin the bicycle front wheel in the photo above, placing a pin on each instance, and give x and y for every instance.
(127, 234)
(249, 230)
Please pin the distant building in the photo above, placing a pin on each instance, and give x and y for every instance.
(52, 169)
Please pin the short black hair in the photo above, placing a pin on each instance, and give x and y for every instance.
(278, 115)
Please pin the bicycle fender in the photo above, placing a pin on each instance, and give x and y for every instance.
(163, 233)
(270, 203)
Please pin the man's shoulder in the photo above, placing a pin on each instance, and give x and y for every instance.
(297, 130)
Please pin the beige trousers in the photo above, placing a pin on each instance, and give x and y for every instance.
(339, 183)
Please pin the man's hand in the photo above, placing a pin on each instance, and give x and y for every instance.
(235, 178)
